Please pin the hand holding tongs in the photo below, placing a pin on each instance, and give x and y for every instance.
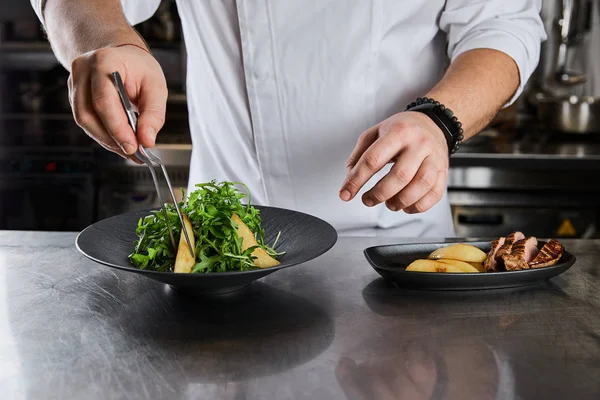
(147, 157)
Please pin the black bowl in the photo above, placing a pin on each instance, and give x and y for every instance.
(303, 238)
(390, 261)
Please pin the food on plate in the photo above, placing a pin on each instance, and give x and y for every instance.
(478, 266)
(548, 255)
(507, 245)
(462, 265)
(490, 263)
(263, 259)
(521, 254)
(459, 251)
(525, 253)
(457, 258)
(432, 266)
(226, 234)
(184, 261)
(514, 252)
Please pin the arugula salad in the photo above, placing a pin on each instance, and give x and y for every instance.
(227, 235)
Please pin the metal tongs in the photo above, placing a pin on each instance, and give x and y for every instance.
(147, 157)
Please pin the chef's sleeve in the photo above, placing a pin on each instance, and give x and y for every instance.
(135, 11)
(513, 27)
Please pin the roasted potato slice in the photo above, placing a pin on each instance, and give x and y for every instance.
(463, 266)
(184, 260)
(263, 259)
(460, 252)
(431, 266)
(478, 266)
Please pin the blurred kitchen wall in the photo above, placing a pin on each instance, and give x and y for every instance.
(522, 172)
(52, 176)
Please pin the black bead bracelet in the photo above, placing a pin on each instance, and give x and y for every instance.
(443, 117)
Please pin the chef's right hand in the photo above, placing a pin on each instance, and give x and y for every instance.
(95, 101)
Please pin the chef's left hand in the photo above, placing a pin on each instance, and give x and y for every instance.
(417, 148)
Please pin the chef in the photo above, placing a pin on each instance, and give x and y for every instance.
(346, 110)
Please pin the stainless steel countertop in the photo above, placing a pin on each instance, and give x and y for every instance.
(72, 329)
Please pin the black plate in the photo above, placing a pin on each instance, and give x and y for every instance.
(390, 262)
(303, 238)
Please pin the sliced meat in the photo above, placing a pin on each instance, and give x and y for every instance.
(490, 263)
(522, 253)
(508, 243)
(549, 254)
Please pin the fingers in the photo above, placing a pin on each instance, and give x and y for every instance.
(378, 386)
(432, 197)
(346, 373)
(365, 140)
(400, 176)
(96, 104)
(80, 98)
(421, 182)
(417, 179)
(152, 101)
(83, 110)
(372, 160)
(362, 381)
(107, 105)
(418, 378)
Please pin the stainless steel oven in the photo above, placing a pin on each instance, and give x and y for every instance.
(537, 219)
(494, 201)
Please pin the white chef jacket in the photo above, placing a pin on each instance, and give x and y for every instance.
(279, 91)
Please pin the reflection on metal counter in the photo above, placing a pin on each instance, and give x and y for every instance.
(73, 330)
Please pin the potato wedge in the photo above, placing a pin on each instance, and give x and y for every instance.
(431, 266)
(478, 266)
(184, 260)
(460, 252)
(463, 266)
(263, 259)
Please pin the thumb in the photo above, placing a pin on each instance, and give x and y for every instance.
(152, 104)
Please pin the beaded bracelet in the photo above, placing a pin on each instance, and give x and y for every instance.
(443, 117)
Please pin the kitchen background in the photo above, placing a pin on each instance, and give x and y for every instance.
(536, 166)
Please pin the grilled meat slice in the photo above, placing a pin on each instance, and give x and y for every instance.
(523, 252)
(491, 263)
(549, 255)
(508, 243)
